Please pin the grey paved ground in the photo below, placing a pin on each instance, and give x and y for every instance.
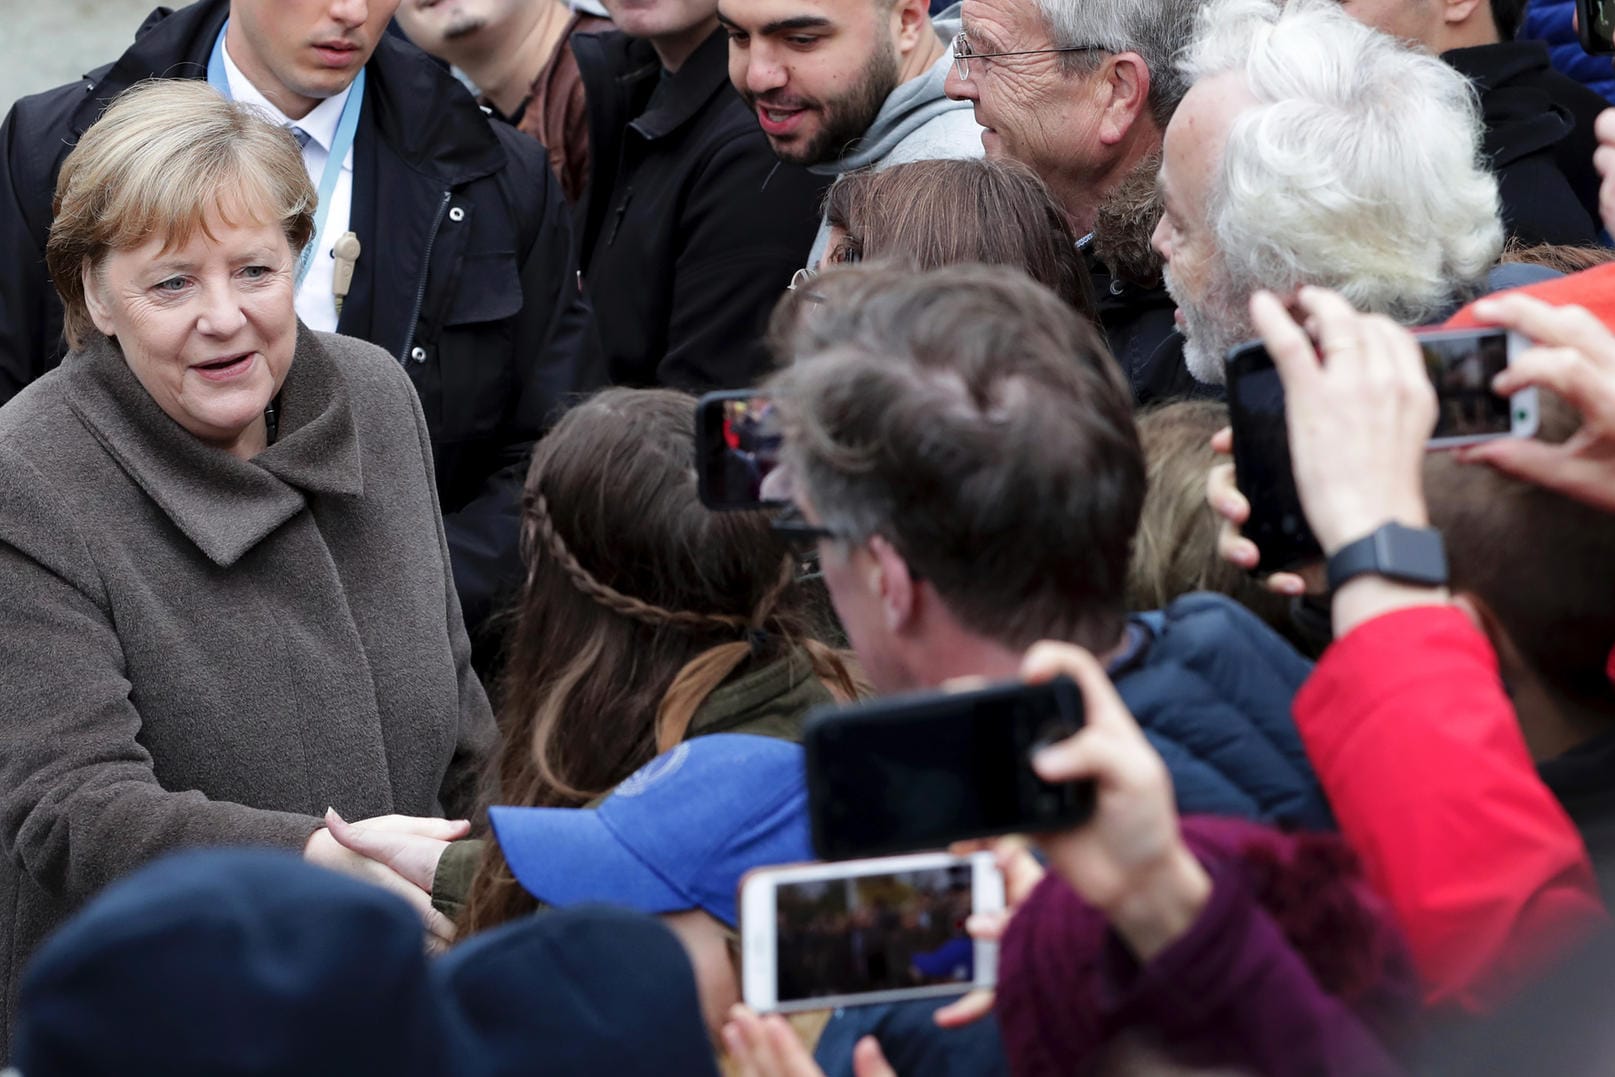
(44, 43)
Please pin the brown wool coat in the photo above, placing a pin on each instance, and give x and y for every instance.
(201, 650)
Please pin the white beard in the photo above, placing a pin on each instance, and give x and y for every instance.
(1211, 327)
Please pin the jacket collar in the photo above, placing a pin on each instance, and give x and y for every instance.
(225, 505)
(442, 134)
(704, 76)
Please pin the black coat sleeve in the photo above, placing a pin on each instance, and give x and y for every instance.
(32, 141)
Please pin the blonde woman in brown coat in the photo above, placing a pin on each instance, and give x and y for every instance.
(225, 597)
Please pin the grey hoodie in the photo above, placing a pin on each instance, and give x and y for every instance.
(918, 122)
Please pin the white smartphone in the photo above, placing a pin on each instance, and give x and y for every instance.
(1462, 364)
(855, 932)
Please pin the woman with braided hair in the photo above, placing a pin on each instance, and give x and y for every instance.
(644, 619)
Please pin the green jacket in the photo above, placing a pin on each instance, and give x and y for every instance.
(768, 702)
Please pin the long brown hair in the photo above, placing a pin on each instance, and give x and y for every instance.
(638, 602)
(929, 214)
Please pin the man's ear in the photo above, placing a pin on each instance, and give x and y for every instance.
(911, 21)
(893, 583)
(95, 301)
(1454, 12)
(1125, 96)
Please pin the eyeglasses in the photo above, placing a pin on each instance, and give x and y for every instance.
(802, 536)
(962, 54)
(800, 277)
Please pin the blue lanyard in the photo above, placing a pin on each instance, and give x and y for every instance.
(346, 127)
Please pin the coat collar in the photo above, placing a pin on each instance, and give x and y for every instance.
(225, 505)
(704, 76)
(417, 107)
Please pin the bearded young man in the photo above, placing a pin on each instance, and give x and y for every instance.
(839, 85)
(691, 227)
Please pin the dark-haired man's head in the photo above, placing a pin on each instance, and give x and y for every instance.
(966, 445)
(1537, 569)
(816, 72)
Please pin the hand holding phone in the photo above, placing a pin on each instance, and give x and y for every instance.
(924, 770)
(1130, 861)
(1357, 423)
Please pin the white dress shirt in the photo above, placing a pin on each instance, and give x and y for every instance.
(315, 303)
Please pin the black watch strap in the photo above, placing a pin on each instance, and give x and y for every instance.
(1406, 554)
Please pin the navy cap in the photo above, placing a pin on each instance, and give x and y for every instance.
(585, 991)
(232, 962)
(229, 963)
(677, 834)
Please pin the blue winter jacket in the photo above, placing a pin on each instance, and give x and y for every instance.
(1550, 21)
(1211, 684)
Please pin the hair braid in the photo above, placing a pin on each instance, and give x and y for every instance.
(633, 608)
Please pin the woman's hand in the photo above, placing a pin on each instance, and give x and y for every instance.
(1575, 358)
(409, 845)
(1222, 494)
(1021, 873)
(323, 849)
(769, 1047)
(1358, 421)
(1129, 861)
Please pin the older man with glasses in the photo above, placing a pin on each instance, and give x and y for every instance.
(1081, 91)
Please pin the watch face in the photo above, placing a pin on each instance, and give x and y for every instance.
(1413, 554)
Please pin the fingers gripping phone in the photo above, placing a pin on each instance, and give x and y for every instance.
(1461, 364)
(920, 771)
(737, 442)
(818, 936)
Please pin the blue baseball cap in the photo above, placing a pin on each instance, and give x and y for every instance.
(677, 834)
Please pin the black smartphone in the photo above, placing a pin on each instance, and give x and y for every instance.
(916, 772)
(737, 441)
(1595, 22)
(1262, 462)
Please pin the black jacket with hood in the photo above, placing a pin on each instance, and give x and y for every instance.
(1535, 145)
(691, 227)
(465, 274)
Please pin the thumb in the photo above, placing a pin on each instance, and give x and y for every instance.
(1523, 458)
(368, 842)
(869, 1061)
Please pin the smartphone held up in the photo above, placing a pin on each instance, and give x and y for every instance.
(1461, 364)
(817, 936)
(917, 772)
(737, 442)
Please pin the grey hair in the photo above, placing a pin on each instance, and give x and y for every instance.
(1359, 168)
(972, 419)
(1155, 29)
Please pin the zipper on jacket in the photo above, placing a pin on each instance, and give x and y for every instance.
(426, 268)
(622, 211)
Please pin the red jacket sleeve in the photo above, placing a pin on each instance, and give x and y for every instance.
(1423, 761)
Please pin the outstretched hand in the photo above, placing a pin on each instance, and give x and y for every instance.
(409, 845)
(323, 849)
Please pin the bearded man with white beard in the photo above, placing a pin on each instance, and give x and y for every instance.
(1311, 149)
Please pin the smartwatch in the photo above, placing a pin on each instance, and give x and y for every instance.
(1406, 554)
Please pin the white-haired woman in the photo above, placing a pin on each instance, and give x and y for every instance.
(225, 597)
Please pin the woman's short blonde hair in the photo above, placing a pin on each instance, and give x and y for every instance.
(166, 157)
